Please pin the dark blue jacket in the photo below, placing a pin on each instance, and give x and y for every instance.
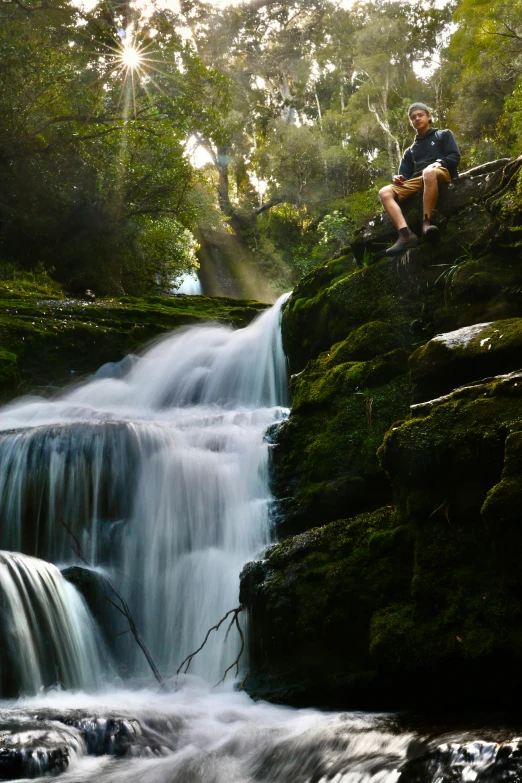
(435, 145)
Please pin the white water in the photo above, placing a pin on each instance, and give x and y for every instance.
(198, 735)
(48, 635)
(190, 285)
(162, 476)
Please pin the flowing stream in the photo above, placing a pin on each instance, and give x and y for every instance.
(156, 472)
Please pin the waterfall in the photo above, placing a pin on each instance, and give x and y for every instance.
(159, 466)
(47, 633)
(162, 477)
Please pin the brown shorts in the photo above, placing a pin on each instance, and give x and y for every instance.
(411, 186)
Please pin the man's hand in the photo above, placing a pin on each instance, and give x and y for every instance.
(436, 165)
(398, 179)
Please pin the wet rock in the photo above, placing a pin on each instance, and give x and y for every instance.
(324, 463)
(33, 750)
(501, 512)
(117, 369)
(98, 592)
(455, 762)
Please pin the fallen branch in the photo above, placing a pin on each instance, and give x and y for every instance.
(123, 609)
(240, 653)
(235, 621)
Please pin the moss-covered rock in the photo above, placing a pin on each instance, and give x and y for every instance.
(417, 598)
(503, 516)
(324, 459)
(341, 616)
(8, 369)
(54, 339)
(313, 324)
(416, 594)
(467, 354)
(312, 601)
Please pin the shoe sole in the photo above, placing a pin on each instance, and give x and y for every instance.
(402, 250)
(431, 235)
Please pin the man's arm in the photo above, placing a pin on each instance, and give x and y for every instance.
(451, 158)
(407, 167)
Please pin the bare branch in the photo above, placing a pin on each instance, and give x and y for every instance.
(240, 653)
(188, 659)
(273, 202)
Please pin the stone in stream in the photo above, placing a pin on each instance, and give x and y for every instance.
(32, 749)
(46, 744)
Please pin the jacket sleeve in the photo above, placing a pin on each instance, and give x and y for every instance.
(451, 155)
(407, 166)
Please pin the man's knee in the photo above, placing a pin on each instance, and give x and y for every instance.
(386, 193)
(429, 175)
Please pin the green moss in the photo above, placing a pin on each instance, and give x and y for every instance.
(368, 341)
(452, 452)
(330, 313)
(57, 339)
(8, 369)
(317, 593)
(501, 513)
(325, 459)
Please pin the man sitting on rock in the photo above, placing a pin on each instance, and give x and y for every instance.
(432, 158)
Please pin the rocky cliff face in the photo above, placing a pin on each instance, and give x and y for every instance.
(397, 477)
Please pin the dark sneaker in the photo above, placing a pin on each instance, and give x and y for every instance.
(406, 240)
(430, 232)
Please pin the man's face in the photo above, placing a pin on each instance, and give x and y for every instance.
(420, 120)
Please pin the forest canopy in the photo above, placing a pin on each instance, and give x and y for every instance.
(299, 108)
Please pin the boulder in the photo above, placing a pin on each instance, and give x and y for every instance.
(324, 463)
(98, 594)
(415, 602)
(452, 359)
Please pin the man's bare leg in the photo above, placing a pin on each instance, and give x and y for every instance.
(406, 238)
(392, 208)
(430, 232)
(431, 192)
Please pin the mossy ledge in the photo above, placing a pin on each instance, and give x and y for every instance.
(47, 339)
(398, 582)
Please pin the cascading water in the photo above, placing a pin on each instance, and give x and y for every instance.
(161, 475)
(47, 632)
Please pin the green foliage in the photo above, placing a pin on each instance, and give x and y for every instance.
(335, 229)
(301, 107)
(95, 184)
(482, 68)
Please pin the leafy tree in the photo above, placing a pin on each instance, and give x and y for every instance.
(92, 153)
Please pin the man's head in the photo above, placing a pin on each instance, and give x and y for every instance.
(420, 117)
